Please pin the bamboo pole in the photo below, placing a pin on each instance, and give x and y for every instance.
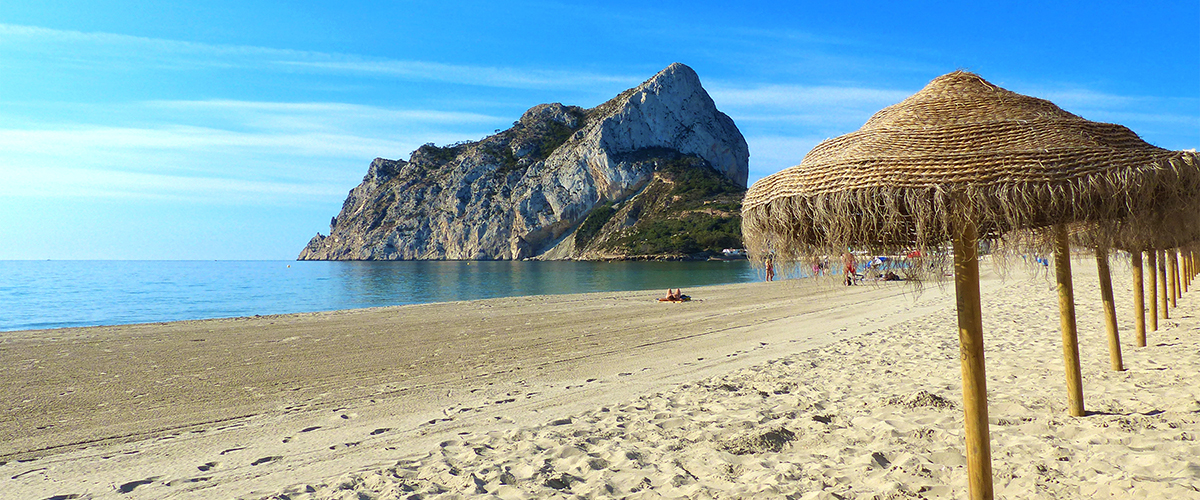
(970, 341)
(1066, 309)
(1173, 271)
(1152, 264)
(1110, 309)
(1139, 298)
(1162, 285)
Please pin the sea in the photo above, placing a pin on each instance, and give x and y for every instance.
(59, 294)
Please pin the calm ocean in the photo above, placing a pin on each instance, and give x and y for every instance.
(57, 294)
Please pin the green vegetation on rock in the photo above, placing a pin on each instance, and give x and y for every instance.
(435, 155)
(688, 210)
(593, 223)
(555, 135)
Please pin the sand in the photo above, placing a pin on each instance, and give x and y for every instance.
(765, 390)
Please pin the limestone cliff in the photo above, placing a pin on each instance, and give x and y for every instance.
(521, 192)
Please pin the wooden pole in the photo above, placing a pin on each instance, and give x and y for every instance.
(970, 345)
(1185, 279)
(1139, 298)
(1110, 309)
(1152, 263)
(1187, 274)
(1173, 271)
(1178, 276)
(1175, 261)
(1192, 266)
(1066, 310)
(1162, 285)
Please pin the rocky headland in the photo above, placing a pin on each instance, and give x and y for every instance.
(656, 172)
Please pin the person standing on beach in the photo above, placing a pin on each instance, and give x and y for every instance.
(849, 268)
(770, 263)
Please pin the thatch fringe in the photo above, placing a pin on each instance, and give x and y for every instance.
(1108, 208)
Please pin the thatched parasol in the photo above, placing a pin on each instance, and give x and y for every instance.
(1168, 227)
(963, 160)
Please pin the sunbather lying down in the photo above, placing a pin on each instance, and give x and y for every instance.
(674, 295)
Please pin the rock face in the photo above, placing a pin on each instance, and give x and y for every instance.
(519, 193)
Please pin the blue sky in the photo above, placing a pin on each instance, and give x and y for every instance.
(233, 129)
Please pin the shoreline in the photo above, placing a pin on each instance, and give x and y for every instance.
(863, 379)
(87, 294)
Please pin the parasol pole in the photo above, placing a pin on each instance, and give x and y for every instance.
(1173, 271)
(1066, 309)
(1187, 274)
(970, 342)
(1139, 298)
(1110, 308)
(1184, 278)
(1191, 260)
(1152, 264)
(1162, 284)
(1175, 263)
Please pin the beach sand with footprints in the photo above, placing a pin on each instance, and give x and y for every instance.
(787, 389)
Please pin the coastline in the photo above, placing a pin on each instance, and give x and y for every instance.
(309, 405)
(56, 294)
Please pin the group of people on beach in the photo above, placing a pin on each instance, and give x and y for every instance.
(849, 268)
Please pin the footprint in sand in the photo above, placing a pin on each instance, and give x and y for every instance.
(178, 482)
(380, 430)
(264, 460)
(231, 450)
(128, 487)
(29, 472)
(208, 466)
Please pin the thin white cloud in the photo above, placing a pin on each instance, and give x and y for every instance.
(770, 154)
(806, 97)
(219, 151)
(323, 117)
(472, 75)
(806, 110)
(99, 142)
(108, 48)
(60, 182)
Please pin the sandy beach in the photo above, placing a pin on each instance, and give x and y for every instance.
(787, 389)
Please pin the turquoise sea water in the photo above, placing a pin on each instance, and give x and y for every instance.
(57, 294)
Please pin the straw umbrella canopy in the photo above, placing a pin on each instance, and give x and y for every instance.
(959, 161)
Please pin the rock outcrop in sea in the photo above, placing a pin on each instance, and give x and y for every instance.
(524, 192)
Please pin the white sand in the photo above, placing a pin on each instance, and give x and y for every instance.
(758, 391)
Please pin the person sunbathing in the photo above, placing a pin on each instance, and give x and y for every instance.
(674, 295)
